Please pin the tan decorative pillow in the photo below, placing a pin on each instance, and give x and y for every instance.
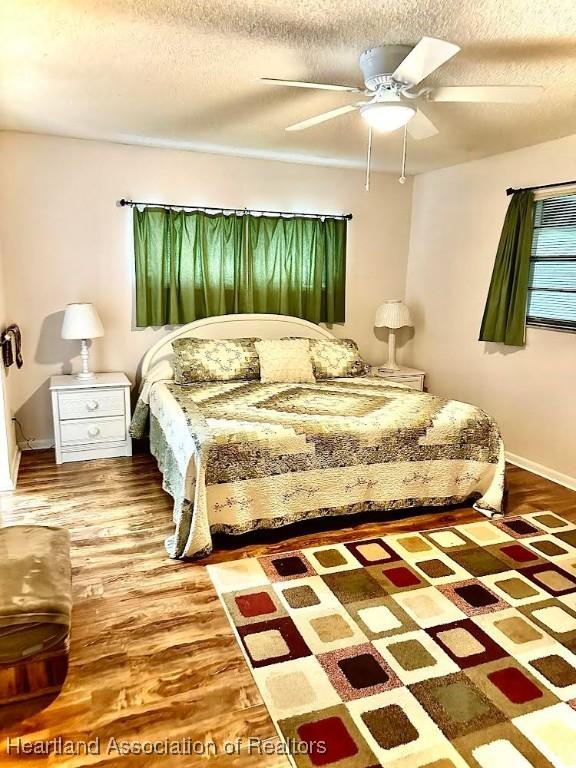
(215, 360)
(285, 361)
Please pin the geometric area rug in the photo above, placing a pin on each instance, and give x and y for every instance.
(447, 648)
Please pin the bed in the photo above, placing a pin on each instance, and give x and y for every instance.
(243, 455)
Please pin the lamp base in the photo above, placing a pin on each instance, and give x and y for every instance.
(85, 373)
(392, 364)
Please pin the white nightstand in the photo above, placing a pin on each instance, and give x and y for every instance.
(91, 417)
(410, 377)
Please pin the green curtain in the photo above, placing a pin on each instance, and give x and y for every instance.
(191, 265)
(505, 313)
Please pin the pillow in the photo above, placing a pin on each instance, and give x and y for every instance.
(336, 358)
(162, 371)
(215, 360)
(285, 361)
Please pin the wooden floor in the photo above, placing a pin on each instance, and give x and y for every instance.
(152, 655)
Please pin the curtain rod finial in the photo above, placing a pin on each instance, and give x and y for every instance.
(121, 203)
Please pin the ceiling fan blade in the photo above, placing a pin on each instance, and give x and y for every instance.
(423, 59)
(321, 118)
(421, 127)
(318, 86)
(486, 93)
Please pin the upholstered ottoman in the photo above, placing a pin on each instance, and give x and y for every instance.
(35, 611)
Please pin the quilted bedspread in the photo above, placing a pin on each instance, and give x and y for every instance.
(243, 455)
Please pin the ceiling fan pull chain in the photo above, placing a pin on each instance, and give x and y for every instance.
(369, 157)
(402, 178)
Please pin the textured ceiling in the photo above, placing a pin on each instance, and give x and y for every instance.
(185, 73)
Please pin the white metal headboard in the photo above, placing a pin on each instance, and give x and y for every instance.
(234, 327)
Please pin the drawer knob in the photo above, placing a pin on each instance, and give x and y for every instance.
(93, 431)
(92, 405)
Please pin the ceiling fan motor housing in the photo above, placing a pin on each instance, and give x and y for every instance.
(378, 64)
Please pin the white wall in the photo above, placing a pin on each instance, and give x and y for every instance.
(65, 240)
(457, 216)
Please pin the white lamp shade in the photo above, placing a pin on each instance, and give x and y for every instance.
(81, 321)
(393, 314)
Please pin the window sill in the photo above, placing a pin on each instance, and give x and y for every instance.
(564, 327)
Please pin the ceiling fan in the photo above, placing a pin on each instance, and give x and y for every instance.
(391, 74)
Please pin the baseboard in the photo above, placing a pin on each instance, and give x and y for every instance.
(8, 482)
(15, 466)
(36, 444)
(539, 469)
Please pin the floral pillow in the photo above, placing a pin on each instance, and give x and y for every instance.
(215, 360)
(336, 358)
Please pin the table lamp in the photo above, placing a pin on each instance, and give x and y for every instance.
(81, 321)
(392, 314)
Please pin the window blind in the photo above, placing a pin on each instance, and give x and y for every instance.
(552, 287)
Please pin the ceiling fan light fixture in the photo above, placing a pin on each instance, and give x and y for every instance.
(387, 116)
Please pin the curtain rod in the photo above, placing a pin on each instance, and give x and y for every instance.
(511, 190)
(132, 203)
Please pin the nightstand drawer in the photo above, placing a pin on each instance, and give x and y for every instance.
(413, 378)
(91, 403)
(86, 431)
(414, 382)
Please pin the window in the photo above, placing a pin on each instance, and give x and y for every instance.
(552, 288)
(195, 264)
